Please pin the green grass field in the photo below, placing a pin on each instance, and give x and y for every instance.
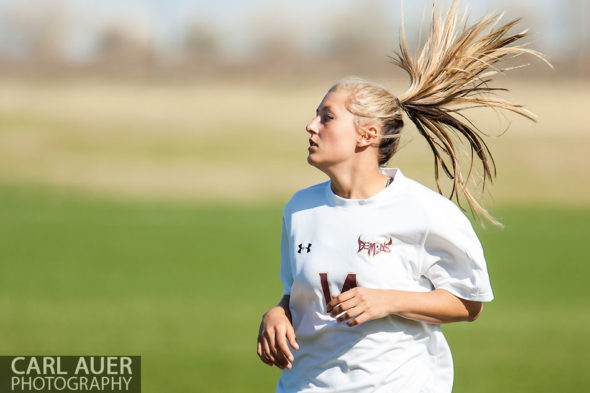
(184, 286)
(123, 233)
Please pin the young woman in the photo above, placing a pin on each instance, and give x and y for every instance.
(372, 261)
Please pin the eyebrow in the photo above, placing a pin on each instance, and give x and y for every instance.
(324, 108)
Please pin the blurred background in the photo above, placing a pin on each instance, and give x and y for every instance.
(147, 148)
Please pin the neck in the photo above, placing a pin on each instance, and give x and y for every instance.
(357, 182)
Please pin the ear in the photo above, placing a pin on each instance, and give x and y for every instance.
(368, 136)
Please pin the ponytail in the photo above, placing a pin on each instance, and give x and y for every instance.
(451, 74)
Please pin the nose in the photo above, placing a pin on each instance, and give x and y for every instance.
(312, 126)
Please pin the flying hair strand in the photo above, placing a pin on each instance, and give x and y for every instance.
(450, 74)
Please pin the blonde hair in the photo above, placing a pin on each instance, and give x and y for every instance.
(449, 75)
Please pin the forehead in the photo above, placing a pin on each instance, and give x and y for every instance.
(335, 100)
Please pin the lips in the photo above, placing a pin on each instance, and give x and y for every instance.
(312, 143)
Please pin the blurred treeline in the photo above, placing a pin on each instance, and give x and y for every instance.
(172, 40)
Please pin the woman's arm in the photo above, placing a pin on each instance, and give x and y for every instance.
(437, 306)
(275, 330)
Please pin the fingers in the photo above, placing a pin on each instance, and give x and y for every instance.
(291, 337)
(344, 296)
(283, 349)
(281, 344)
(265, 359)
(267, 353)
(273, 349)
(352, 306)
(353, 312)
(344, 306)
(276, 354)
(285, 334)
(363, 317)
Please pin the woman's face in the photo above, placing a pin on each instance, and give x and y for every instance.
(333, 135)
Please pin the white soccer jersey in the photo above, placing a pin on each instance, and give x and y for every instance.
(406, 237)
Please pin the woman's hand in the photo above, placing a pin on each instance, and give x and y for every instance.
(275, 330)
(360, 304)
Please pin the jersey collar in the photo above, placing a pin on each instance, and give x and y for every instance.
(398, 177)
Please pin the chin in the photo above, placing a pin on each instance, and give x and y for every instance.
(321, 166)
(311, 161)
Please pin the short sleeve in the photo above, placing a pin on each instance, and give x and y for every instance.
(453, 257)
(286, 276)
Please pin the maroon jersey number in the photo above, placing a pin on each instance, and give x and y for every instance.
(349, 283)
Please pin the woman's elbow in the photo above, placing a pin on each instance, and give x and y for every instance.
(474, 309)
(470, 310)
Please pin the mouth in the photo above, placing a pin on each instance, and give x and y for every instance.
(312, 144)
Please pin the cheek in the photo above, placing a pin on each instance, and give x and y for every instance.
(341, 131)
(344, 141)
(345, 145)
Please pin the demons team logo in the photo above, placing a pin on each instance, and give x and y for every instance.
(374, 248)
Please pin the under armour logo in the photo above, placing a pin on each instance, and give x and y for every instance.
(301, 248)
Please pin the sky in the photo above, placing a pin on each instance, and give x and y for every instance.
(164, 21)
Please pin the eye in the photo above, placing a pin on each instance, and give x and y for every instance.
(328, 117)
